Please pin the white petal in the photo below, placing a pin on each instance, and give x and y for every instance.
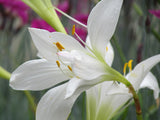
(102, 22)
(141, 70)
(45, 42)
(54, 106)
(36, 75)
(109, 54)
(86, 67)
(77, 85)
(151, 82)
(68, 42)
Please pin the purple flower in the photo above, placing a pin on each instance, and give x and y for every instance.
(155, 13)
(82, 18)
(64, 6)
(39, 23)
(16, 7)
(82, 32)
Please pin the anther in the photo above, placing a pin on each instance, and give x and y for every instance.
(73, 29)
(106, 48)
(124, 68)
(58, 63)
(59, 46)
(69, 67)
(130, 64)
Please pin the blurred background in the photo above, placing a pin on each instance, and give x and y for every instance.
(137, 37)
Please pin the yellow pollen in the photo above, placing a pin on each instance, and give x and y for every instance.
(58, 63)
(59, 46)
(73, 29)
(130, 64)
(106, 48)
(69, 67)
(124, 68)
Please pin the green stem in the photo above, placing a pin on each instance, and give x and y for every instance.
(31, 100)
(6, 75)
(156, 35)
(116, 76)
(119, 50)
(137, 9)
(83, 106)
(137, 103)
(123, 80)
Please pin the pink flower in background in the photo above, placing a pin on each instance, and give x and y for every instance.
(64, 6)
(16, 7)
(82, 32)
(155, 13)
(40, 23)
(82, 18)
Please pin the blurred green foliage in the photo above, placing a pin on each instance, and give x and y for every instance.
(137, 36)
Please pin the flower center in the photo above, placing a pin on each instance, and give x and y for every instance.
(129, 64)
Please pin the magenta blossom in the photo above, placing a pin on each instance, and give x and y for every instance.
(16, 7)
(39, 23)
(64, 6)
(82, 18)
(82, 32)
(155, 13)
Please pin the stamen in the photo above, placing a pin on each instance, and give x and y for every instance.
(106, 48)
(59, 46)
(73, 29)
(58, 63)
(76, 21)
(130, 65)
(69, 67)
(124, 68)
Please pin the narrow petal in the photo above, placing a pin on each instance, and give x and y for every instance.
(102, 22)
(151, 82)
(141, 70)
(45, 42)
(54, 106)
(36, 75)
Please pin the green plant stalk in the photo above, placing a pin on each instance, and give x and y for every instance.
(119, 50)
(137, 9)
(83, 106)
(137, 103)
(6, 75)
(31, 100)
(156, 35)
(46, 11)
(120, 78)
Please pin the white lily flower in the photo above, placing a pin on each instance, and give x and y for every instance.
(64, 58)
(106, 99)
